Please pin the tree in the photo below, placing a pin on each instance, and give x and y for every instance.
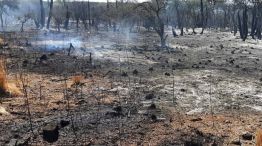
(4, 6)
(67, 15)
(76, 9)
(178, 9)
(242, 18)
(59, 15)
(50, 14)
(42, 11)
(153, 11)
(202, 15)
(23, 19)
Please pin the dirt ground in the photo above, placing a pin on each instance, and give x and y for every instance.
(201, 90)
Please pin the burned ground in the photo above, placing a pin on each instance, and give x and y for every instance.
(201, 90)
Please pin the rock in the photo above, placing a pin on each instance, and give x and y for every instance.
(232, 61)
(247, 136)
(236, 142)
(167, 74)
(25, 62)
(153, 117)
(195, 66)
(221, 46)
(113, 114)
(64, 123)
(124, 74)
(43, 58)
(196, 119)
(118, 109)
(50, 132)
(22, 142)
(12, 142)
(52, 54)
(183, 90)
(135, 72)
(150, 96)
(192, 143)
(152, 106)
(151, 69)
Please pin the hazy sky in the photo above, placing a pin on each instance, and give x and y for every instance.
(111, 0)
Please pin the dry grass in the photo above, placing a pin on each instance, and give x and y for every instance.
(5, 86)
(3, 111)
(259, 138)
(2, 42)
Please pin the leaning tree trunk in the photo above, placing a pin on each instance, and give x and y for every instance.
(42, 11)
(50, 14)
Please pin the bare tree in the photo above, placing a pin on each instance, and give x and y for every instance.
(42, 11)
(59, 15)
(67, 15)
(50, 14)
(23, 19)
(153, 11)
(202, 15)
(4, 6)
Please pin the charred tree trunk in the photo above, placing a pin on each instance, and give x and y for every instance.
(42, 11)
(108, 21)
(77, 24)
(259, 22)
(234, 23)
(258, 32)
(67, 18)
(22, 26)
(50, 14)
(239, 24)
(245, 26)
(174, 32)
(182, 31)
(242, 24)
(254, 22)
(89, 14)
(2, 20)
(37, 25)
(161, 32)
(202, 15)
(180, 21)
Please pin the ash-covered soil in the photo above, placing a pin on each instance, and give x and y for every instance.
(201, 90)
